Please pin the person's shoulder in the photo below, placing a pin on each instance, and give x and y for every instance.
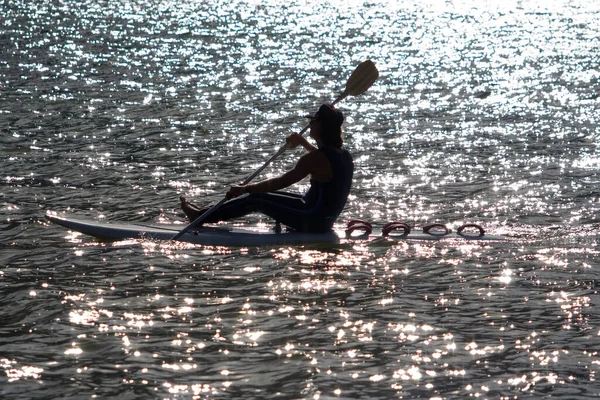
(315, 160)
(342, 151)
(337, 150)
(314, 155)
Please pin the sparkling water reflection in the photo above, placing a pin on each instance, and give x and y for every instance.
(483, 113)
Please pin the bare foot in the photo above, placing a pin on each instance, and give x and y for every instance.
(191, 211)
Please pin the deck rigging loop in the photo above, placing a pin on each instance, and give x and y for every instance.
(428, 228)
(393, 226)
(465, 226)
(359, 224)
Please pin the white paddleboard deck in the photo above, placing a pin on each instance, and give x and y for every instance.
(205, 235)
(230, 236)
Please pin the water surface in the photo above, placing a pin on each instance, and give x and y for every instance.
(482, 113)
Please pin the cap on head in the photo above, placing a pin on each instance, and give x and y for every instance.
(329, 116)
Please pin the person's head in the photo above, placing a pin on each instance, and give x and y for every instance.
(326, 126)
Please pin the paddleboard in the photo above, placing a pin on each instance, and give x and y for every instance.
(239, 237)
(205, 235)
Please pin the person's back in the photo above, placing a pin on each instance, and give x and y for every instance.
(327, 199)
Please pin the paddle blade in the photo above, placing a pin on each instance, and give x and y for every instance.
(362, 78)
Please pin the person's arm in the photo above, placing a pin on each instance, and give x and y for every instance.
(300, 171)
(296, 139)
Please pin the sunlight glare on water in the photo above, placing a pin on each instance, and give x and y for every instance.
(484, 112)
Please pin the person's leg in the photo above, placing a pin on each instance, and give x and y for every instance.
(287, 208)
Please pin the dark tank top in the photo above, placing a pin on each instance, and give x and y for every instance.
(327, 200)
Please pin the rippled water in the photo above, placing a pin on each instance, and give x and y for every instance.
(482, 113)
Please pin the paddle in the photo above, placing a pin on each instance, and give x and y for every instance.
(359, 82)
